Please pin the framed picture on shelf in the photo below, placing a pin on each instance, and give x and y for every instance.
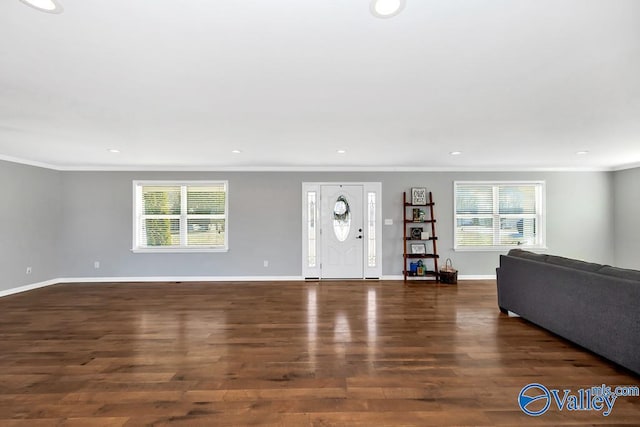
(418, 196)
(416, 233)
(418, 214)
(418, 249)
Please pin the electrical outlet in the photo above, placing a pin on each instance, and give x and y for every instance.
(266, 263)
(28, 270)
(96, 264)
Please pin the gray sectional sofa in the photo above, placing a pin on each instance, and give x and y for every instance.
(595, 306)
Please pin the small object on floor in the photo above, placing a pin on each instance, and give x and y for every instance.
(448, 274)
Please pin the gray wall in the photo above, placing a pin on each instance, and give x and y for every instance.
(265, 221)
(264, 224)
(30, 216)
(626, 186)
(59, 223)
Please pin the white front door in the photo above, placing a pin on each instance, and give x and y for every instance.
(342, 231)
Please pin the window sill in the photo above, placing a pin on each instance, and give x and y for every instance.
(176, 250)
(500, 248)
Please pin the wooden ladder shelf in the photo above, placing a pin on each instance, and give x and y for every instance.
(418, 246)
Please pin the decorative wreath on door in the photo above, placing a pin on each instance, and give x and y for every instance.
(341, 209)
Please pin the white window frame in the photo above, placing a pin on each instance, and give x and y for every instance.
(540, 215)
(183, 216)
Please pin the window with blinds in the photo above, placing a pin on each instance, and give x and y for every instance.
(499, 215)
(180, 216)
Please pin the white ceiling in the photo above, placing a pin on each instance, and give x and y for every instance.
(513, 84)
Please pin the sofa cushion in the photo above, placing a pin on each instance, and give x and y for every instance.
(621, 273)
(573, 263)
(528, 255)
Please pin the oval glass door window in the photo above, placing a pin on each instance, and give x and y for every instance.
(341, 219)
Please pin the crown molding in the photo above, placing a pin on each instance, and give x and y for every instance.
(626, 167)
(28, 162)
(201, 168)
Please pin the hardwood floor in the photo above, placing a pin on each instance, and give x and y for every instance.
(284, 353)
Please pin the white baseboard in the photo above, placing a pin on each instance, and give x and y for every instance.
(38, 285)
(477, 277)
(462, 277)
(180, 279)
(30, 287)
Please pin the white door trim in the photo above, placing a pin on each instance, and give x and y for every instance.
(311, 250)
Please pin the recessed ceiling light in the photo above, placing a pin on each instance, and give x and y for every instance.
(113, 150)
(582, 153)
(341, 151)
(236, 151)
(49, 6)
(455, 153)
(386, 8)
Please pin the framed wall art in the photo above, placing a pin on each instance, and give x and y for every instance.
(416, 233)
(418, 248)
(418, 196)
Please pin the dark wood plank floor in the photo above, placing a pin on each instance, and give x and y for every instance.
(334, 353)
